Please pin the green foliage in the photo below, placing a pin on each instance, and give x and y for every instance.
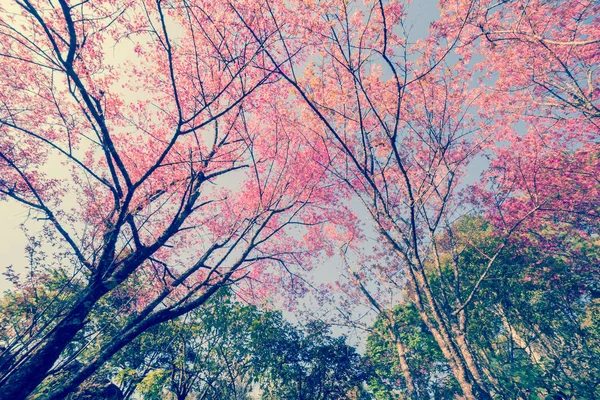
(152, 387)
(534, 324)
(228, 350)
(529, 323)
(307, 364)
(31, 309)
(426, 363)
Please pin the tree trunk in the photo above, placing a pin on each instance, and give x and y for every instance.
(470, 361)
(181, 396)
(401, 351)
(439, 331)
(410, 386)
(128, 334)
(25, 377)
(517, 338)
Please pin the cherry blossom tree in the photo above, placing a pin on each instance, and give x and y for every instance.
(513, 82)
(153, 142)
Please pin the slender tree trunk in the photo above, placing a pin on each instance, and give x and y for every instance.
(470, 361)
(454, 348)
(517, 338)
(390, 324)
(439, 331)
(405, 371)
(128, 392)
(401, 351)
(486, 371)
(456, 364)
